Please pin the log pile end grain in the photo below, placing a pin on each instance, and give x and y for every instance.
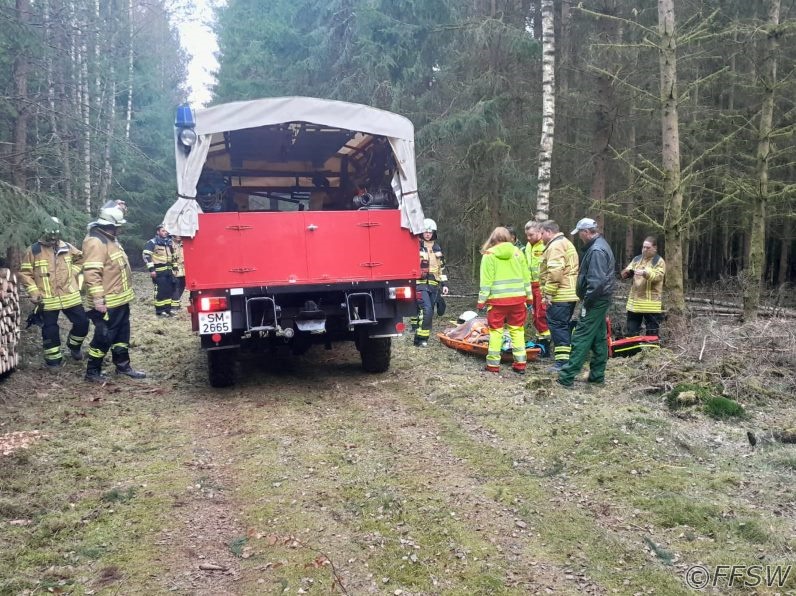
(10, 321)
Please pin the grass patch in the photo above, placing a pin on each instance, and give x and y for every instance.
(119, 495)
(236, 546)
(685, 395)
(663, 555)
(720, 408)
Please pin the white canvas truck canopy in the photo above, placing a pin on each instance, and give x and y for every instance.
(290, 117)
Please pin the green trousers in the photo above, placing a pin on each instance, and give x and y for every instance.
(589, 336)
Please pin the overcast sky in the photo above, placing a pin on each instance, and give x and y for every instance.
(200, 42)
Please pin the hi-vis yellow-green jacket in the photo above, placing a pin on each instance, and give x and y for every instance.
(558, 271)
(533, 254)
(646, 293)
(106, 270)
(51, 273)
(504, 277)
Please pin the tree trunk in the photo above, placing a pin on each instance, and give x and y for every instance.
(21, 68)
(757, 240)
(548, 111)
(603, 115)
(784, 252)
(129, 113)
(19, 149)
(673, 223)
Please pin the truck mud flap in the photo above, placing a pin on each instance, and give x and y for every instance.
(311, 319)
(360, 309)
(261, 314)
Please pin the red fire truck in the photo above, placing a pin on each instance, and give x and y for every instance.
(299, 219)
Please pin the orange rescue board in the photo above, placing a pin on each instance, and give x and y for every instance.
(481, 349)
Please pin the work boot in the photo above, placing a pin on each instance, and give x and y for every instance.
(126, 369)
(95, 376)
(556, 368)
(77, 354)
(518, 368)
(164, 314)
(54, 364)
(544, 344)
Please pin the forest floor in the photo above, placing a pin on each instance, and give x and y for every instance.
(312, 477)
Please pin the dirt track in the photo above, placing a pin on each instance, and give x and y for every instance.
(310, 476)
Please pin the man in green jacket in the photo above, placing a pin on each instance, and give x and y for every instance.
(595, 287)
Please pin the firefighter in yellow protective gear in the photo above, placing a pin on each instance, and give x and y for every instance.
(433, 281)
(533, 255)
(158, 254)
(505, 286)
(645, 299)
(49, 273)
(179, 274)
(558, 276)
(109, 291)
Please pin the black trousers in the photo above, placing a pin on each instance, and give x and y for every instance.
(51, 333)
(558, 317)
(651, 320)
(164, 290)
(426, 302)
(111, 332)
(179, 288)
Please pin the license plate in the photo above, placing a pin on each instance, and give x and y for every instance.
(215, 322)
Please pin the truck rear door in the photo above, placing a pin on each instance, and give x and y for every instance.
(393, 250)
(214, 255)
(337, 246)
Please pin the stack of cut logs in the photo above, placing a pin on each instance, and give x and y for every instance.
(10, 321)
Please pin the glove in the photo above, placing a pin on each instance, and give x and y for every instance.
(547, 300)
(529, 309)
(99, 305)
(36, 299)
(481, 309)
(582, 311)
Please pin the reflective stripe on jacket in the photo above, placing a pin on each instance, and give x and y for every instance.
(646, 293)
(179, 260)
(158, 256)
(533, 255)
(505, 279)
(432, 263)
(51, 273)
(558, 270)
(106, 270)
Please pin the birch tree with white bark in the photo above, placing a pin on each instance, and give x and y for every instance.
(548, 110)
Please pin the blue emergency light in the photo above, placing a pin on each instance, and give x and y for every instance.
(185, 117)
(184, 121)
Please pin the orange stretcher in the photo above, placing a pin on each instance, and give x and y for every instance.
(480, 349)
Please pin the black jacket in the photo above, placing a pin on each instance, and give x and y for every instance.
(597, 277)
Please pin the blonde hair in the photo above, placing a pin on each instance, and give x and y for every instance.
(498, 235)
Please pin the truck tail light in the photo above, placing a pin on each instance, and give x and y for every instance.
(212, 303)
(402, 293)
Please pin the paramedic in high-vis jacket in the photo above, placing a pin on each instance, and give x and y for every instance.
(433, 280)
(49, 273)
(644, 301)
(109, 291)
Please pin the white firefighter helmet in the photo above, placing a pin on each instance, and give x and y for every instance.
(467, 315)
(110, 216)
(429, 225)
